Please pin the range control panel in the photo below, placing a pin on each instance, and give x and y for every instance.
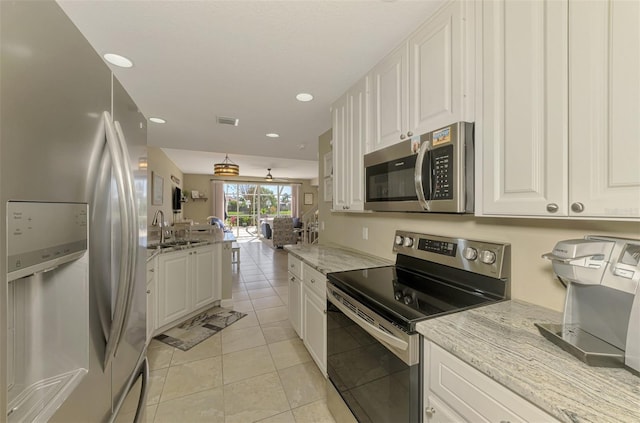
(484, 257)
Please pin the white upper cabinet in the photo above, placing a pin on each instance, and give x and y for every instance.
(350, 138)
(425, 84)
(437, 58)
(341, 172)
(558, 106)
(523, 76)
(358, 102)
(604, 108)
(390, 93)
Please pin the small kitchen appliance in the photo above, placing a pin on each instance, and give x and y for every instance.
(601, 320)
(373, 349)
(432, 172)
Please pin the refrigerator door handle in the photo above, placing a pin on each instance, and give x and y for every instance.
(132, 229)
(143, 394)
(123, 277)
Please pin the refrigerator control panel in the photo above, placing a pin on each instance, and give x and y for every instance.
(41, 236)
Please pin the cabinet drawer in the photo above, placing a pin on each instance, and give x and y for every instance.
(315, 281)
(475, 396)
(295, 266)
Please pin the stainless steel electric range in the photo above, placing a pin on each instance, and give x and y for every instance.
(373, 349)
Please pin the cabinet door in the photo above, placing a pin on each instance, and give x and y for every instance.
(315, 328)
(340, 154)
(295, 304)
(358, 116)
(203, 276)
(174, 286)
(151, 299)
(604, 107)
(390, 88)
(523, 109)
(473, 395)
(436, 60)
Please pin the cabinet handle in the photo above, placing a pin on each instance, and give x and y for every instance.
(577, 207)
(402, 136)
(505, 421)
(293, 278)
(292, 266)
(148, 291)
(313, 281)
(429, 411)
(152, 270)
(409, 134)
(552, 207)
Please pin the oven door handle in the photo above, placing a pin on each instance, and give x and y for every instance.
(371, 330)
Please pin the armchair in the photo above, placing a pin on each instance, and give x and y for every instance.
(283, 232)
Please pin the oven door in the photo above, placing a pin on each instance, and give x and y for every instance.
(365, 368)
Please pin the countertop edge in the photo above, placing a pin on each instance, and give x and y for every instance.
(333, 258)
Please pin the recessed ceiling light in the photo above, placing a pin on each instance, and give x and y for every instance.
(157, 120)
(117, 60)
(301, 146)
(304, 97)
(273, 135)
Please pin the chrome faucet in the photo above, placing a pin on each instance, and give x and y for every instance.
(159, 223)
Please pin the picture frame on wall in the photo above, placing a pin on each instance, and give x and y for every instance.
(157, 188)
(308, 198)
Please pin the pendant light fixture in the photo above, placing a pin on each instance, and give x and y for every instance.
(226, 168)
(268, 178)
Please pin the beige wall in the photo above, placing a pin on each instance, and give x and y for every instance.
(197, 210)
(532, 276)
(158, 163)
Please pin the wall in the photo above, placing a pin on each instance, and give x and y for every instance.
(532, 276)
(158, 163)
(199, 210)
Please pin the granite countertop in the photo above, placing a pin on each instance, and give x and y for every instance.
(501, 341)
(193, 243)
(326, 259)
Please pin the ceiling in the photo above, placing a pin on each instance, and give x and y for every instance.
(196, 60)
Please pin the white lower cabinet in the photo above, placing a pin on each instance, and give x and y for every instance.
(454, 392)
(187, 280)
(295, 304)
(151, 298)
(315, 328)
(314, 315)
(308, 309)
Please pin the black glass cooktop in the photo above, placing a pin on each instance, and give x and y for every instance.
(406, 297)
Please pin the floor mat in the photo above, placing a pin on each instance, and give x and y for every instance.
(195, 330)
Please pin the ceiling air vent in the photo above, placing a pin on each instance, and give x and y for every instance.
(223, 120)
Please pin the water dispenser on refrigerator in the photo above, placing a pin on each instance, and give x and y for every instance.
(48, 306)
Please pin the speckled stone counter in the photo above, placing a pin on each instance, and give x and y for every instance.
(501, 341)
(327, 259)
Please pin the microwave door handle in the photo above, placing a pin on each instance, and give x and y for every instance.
(425, 150)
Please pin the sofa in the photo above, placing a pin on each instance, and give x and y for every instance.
(282, 232)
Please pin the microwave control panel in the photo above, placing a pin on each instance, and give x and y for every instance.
(442, 173)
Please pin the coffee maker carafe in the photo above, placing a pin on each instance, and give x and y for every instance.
(601, 319)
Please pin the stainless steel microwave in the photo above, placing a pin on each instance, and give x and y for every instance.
(432, 172)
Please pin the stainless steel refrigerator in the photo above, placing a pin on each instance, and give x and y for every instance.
(72, 142)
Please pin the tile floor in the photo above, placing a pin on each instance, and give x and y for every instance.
(256, 370)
